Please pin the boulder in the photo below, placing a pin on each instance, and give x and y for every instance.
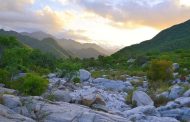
(148, 110)
(183, 101)
(99, 100)
(175, 92)
(84, 75)
(61, 95)
(88, 100)
(11, 101)
(7, 91)
(187, 93)
(7, 115)
(141, 98)
(182, 114)
(100, 107)
(163, 94)
(66, 112)
(113, 85)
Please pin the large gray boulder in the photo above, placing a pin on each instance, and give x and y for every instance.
(182, 114)
(66, 112)
(175, 92)
(61, 95)
(84, 75)
(183, 101)
(141, 98)
(11, 101)
(146, 114)
(7, 115)
(107, 84)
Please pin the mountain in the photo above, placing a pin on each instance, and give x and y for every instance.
(173, 38)
(75, 49)
(37, 35)
(46, 45)
(82, 50)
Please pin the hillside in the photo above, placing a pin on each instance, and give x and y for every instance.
(45, 45)
(82, 50)
(173, 38)
(75, 49)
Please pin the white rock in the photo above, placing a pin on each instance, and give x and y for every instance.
(175, 92)
(11, 101)
(84, 75)
(7, 115)
(141, 98)
(61, 95)
(184, 101)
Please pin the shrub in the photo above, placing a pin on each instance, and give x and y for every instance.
(76, 80)
(160, 70)
(31, 84)
(160, 101)
(4, 76)
(68, 69)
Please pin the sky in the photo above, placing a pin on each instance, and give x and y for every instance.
(109, 23)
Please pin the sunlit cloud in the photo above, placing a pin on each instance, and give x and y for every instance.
(110, 23)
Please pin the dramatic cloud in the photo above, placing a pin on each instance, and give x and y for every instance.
(126, 13)
(105, 22)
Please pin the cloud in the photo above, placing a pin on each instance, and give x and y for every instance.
(127, 13)
(18, 15)
(15, 5)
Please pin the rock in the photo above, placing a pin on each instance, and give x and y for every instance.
(88, 100)
(187, 93)
(84, 75)
(7, 91)
(183, 101)
(169, 105)
(61, 95)
(18, 76)
(115, 101)
(175, 66)
(146, 114)
(100, 107)
(52, 75)
(163, 94)
(11, 101)
(141, 98)
(66, 112)
(7, 115)
(99, 100)
(182, 114)
(107, 84)
(175, 92)
(145, 110)
(2, 85)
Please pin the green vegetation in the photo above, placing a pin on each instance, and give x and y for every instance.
(76, 80)
(160, 70)
(31, 84)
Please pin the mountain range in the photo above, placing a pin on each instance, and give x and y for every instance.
(59, 47)
(170, 39)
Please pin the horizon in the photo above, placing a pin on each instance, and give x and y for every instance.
(112, 25)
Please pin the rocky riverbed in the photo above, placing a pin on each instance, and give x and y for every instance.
(94, 100)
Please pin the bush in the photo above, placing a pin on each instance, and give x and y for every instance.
(31, 84)
(159, 101)
(160, 70)
(4, 76)
(76, 80)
